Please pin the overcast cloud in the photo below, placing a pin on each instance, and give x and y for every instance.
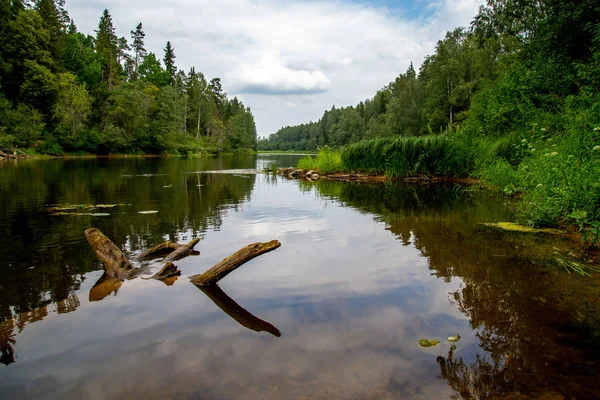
(288, 60)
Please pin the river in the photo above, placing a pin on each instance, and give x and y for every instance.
(363, 274)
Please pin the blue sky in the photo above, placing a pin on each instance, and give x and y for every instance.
(288, 60)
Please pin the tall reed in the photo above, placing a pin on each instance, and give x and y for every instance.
(440, 155)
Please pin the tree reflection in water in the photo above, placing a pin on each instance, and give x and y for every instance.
(535, 323)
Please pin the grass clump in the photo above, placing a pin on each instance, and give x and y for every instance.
(327, 161)
(440, 155)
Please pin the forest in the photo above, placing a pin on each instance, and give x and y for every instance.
(513, 100)
(520, 63)
(64, 91)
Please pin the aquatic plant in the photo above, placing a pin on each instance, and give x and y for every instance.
(440, 155)
(326, 161)
(428, 343)
(272, 168)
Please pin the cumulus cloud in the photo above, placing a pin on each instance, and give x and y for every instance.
(271, 76)
(311, 53)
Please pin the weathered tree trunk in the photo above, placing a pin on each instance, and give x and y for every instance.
(114, 261)
(116, 265)
(229, 264)
(237, 312)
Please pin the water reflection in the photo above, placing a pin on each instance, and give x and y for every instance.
(237, 312)
(364, 273)
(522, 308)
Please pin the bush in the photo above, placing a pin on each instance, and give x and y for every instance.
(50, 147)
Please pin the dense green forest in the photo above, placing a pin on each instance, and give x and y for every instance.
(519, 64)
(514, 101)
(64, 91)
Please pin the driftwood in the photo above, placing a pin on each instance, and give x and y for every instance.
(229, 264)
(237, 312)
(116, 265)
(13, 154)
(160, 250)
(168, 270)
(182, 251)
(117, 268)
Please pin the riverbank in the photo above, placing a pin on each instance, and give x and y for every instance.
(30, 153)
(552, 179)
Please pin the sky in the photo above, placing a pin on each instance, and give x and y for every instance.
(288, 60)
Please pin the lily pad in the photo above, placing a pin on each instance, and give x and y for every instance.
(148, 212)
(428, 343)
(168, 186)
(512, 227)
(100, 214)
(454, 339)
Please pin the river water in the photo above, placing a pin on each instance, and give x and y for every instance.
(363, 274)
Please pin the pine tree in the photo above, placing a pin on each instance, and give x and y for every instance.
(107, 48)
(170, 63)
(139, 51)
(55, 21)
(219, 97)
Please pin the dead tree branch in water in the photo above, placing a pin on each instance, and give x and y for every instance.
(231, 263)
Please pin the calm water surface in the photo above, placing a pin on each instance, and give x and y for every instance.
(363, 273)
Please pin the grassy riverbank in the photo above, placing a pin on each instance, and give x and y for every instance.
(83, 154)
(555, 175)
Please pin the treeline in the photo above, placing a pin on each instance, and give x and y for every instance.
(515, 66)
(64, 91)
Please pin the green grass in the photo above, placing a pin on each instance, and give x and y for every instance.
(558, 174)
(438, 155)
(327, 161)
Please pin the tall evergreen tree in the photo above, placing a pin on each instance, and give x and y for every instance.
(55, 21)
(169, 60)
(107, 48)
(139, 51)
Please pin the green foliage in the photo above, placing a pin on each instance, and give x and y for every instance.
(101, 95)
(24, 125)
(558, 174)
(327, 161)
(442, 155)
(501, 175)
(50, 147)
(72, 107)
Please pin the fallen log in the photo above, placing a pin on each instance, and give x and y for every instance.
(114, 261)
(237, 312)
(231, 263)
(158, 251)
(116, 265)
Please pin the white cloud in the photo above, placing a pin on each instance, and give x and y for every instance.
(270, 76)
(310, 53)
